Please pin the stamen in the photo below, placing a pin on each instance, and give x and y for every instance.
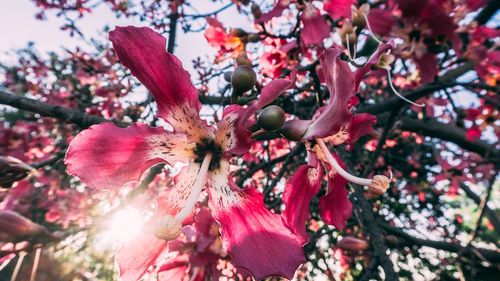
(169, 227)
(370, 29)
(378, 184)
(35, 264)
(353, 57)
(389, 79)
(18, 266)
(195, 190)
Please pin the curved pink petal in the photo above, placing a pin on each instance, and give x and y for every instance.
(315, 29)
(136, 257)
(339, 8)
(361, 125)
(374, 58)
(256, 239)
(381, 21)
(335, 208)
(276, 11)
(340, 82)
(143, 51)
(106, 156)
(299, 191)
(232, 131)
(427, 67)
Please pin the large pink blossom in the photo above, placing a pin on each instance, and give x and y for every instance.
(106, 157)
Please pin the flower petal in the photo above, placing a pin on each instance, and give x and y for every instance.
(339, 8)
(316, 27)
(361, 125)
(135, 258)
(299, 191)
(252, 235)
(276, 11)
(374, 58)
(340, 82)
(143, 51)
(335, 208)
(233, 134)
(106, 156)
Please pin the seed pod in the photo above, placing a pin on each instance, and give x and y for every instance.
(168, 228)
(294, 129)
(243, 79)
(256, 12)
(14, 227)
(12, 170)
(271, 118)
(254, 38)
(353, 244)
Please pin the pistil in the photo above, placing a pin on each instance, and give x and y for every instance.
(169, 227)
(377, 185)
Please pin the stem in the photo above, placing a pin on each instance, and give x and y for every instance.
(35, 264)
(331, 160)
(196, 189)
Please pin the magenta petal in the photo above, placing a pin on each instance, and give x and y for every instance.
(427, 67)
(381, 21)
(335, 208)
(143, 51)
(340, 82)
(361, 125)
(256, 239)
(339, 8)
(106, 156)
(367, 67)
(316, 28)
(276, 11)
(299, 191)
(135, 257)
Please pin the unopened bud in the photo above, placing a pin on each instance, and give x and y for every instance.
(243, 79)
(353, 244)
(227, 76)
(254, 38)
(271, 118)
(238, 32)
(14, 227)
(243, 60)
(168, 228)
(12, 170)
(256, 12)
(294, 129)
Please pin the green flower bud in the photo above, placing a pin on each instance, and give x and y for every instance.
(243, 79)
(271, 118)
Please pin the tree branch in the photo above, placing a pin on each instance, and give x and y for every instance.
(492, 256)
(492, 216)
(66, 114)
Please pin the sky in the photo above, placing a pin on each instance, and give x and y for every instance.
(18, 26)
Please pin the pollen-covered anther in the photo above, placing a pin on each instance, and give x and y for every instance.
(168, 228)
(379, 184)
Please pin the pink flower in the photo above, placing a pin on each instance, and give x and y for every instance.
(106, 156)
(334, 124)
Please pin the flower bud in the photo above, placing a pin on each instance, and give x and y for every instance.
(254, 38)
(12, 170)
(243, 79)
(14, 227)
(294, 129)
(243, 60)
(353, 244)
(256, 12)
(168, 228)
(271, 118)
(238, 32)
